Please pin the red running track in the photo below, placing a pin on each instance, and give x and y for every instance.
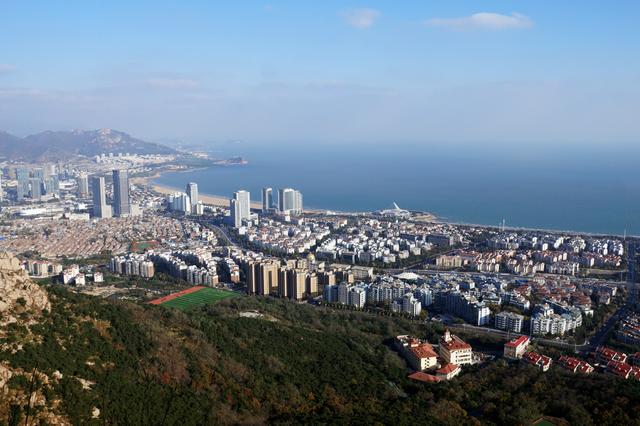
(175, 295)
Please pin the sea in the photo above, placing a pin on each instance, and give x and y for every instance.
(571, 187)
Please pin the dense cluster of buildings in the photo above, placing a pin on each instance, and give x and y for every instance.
(132, 265)
(555, 319)
(287, 238)
(80, 238)
(371, 240)
(36, 183)
(197, 267)
(629, 329)
(527, 253)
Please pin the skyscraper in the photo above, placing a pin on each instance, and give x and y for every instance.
(240, 207)
(267, 199)
(192, 192)
(51, 185)
(100, 207)
(22, 175)
(289, 201)
(36, 188)
(121, 202)
(83, 185)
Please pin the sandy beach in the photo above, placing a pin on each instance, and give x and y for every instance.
(209, 199)
(222, 201)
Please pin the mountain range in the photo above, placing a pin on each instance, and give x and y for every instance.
(55, 145)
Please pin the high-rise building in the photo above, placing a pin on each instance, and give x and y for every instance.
(240, 207)
(51, 185)
(83, 185)
(121, 201)
(181, 202)
(192, 192)
(297, 283)
(22, 175)
(36, 188)
(100, 207)
(267, 199)
(38, 173)
(289, 201)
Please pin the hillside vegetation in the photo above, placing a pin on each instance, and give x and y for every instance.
(104, 362)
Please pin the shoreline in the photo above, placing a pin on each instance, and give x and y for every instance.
(427, 217)
(209, 199)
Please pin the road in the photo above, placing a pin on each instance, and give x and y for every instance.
(220, 230)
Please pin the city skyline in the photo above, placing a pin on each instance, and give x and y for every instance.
(543, 72)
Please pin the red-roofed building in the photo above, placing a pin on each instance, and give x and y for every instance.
(604, 355)
(575, 365)
(621, 369)
(448, 371)
(424, 377)
(420, 355)
(541, 361)
(516, 348)
(454, 350)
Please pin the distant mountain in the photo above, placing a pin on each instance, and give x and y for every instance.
(54, 145)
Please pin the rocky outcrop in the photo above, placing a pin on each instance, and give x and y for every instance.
(18, 294)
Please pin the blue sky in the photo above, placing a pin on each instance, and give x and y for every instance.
(369, 72)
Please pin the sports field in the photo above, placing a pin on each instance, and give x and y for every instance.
(202, 296)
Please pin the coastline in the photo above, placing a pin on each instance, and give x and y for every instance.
(209, 199)
(223, 201)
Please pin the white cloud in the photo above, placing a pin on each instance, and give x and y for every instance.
(361, 18)
(6, 68)
(173, 83)
(483, 21)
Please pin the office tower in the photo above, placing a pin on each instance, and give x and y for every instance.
(267, 199)
(1, 190)
(51, 185)
(100, 207)
(83, 185)
(38, 173)
(240, 207)
(121, 202)
(289, 201)
(36, 188)
(22, 175)
(192, 192)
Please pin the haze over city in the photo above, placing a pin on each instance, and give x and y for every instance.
(320, 212)
(492, 72)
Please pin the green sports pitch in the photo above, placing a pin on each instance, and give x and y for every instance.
(202, 297)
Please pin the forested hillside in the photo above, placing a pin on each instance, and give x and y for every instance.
(103, 362)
